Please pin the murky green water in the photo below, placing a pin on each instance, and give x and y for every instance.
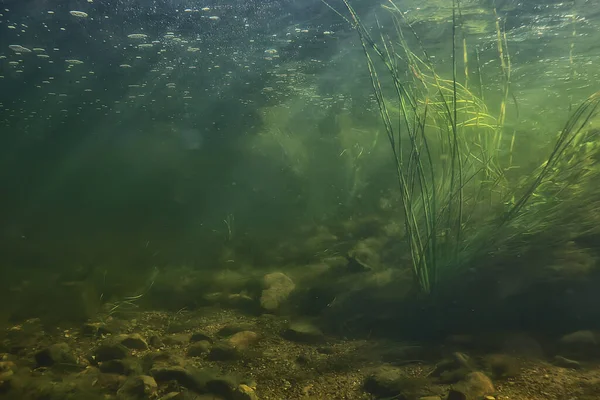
(298, 199)
(148, 140)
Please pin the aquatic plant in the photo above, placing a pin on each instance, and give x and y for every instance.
(450, 153)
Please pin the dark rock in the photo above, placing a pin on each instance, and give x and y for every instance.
(200, 336)
(303, 332)
(110, 351)
(566, 362)
(278, 286)
(141, 386)
(223, 352)
(199, 349)
(56, 354)
(473, 387)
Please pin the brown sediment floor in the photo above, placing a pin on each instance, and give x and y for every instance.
(224, 354)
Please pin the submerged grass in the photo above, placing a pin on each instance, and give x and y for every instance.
(447, 147)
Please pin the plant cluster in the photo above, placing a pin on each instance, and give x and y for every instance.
(451, 154)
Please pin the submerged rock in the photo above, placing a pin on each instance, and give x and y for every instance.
(278, 286)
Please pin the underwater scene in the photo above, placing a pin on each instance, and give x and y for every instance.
(300, 199)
